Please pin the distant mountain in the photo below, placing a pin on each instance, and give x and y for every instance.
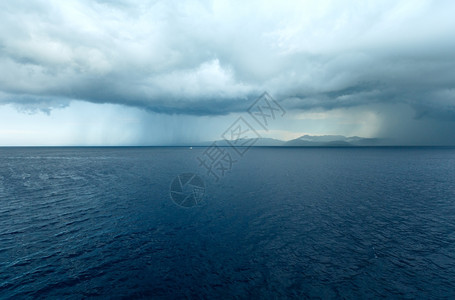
(312, 141)
(332, 141)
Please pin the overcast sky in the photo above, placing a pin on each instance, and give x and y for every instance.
(166, 72)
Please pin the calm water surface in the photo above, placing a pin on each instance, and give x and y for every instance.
(284, 223)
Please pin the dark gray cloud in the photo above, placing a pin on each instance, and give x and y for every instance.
(211, 57)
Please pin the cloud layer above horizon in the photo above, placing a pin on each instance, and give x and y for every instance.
(207, 58)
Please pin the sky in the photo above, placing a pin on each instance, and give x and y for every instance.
(130, 72)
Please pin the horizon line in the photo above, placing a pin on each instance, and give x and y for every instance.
(223, 146)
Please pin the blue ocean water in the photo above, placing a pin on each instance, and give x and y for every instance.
(284, 223)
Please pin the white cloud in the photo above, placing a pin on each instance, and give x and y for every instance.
(210, 57)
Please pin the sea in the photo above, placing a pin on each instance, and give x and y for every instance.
(274, 223)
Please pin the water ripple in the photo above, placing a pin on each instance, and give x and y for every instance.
(285, 223)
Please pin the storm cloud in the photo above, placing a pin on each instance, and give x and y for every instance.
(208, 57)
(393, 59)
